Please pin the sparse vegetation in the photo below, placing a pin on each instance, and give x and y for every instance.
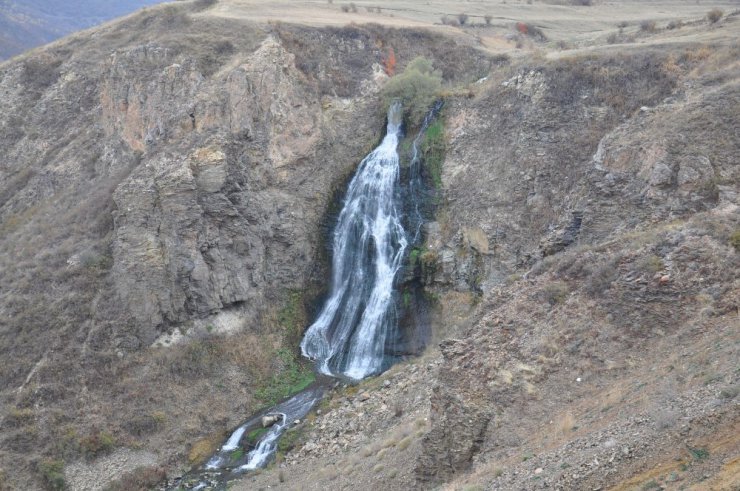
(96, 443)
(203, 4)
(735, 240)
(698, 453)
(462, 19)
(530, 30)
(555, 292)
(140, 479)
(648, 26)
(487, 18)
(650, 264)
(52, 473)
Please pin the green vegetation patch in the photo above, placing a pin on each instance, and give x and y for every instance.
(417, 88)
(698, 453)
(292, 317)
(52, 472)
(254, 435)
(434, 149)
(294, 376)
(290, 440)
(236, 454)
(735, 240)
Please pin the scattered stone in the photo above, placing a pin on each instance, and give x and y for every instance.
(270, 419)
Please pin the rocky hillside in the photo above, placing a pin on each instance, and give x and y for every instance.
(168, 186)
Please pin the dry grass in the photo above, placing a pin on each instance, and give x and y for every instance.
(566, 423)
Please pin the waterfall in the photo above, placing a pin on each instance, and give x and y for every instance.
(348, 338)
(356, 331)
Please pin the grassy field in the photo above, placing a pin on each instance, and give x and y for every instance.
(493, 24)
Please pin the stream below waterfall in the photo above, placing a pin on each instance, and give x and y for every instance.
(356, 334)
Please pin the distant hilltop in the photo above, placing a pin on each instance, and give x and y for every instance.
(25, 24)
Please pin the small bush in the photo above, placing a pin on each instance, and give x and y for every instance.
(417, 88)
(715, 15)
(52, 473)
(600, 280)
(344, 8)
(462, 19)
(404, 443)
(674, 24)
(488, 19)
(531, 31)
(139, 479)
(144, 424)
(650, 264)
(17, 418)
(735, 240)
(648, 26)
(699, 453)
(97, 443)
(200, 5)
(353, 7)
(555, 292)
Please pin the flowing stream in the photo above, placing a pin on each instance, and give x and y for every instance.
(354, 334)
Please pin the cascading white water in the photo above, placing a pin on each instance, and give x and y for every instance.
(266, 446)
(348, 338)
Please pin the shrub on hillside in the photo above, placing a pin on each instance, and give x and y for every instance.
(52, 472)
(203, 4)
(648, 26)
(417, 88)
(139, 479)
(674, 24)
(715, 15)
(735, 240)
